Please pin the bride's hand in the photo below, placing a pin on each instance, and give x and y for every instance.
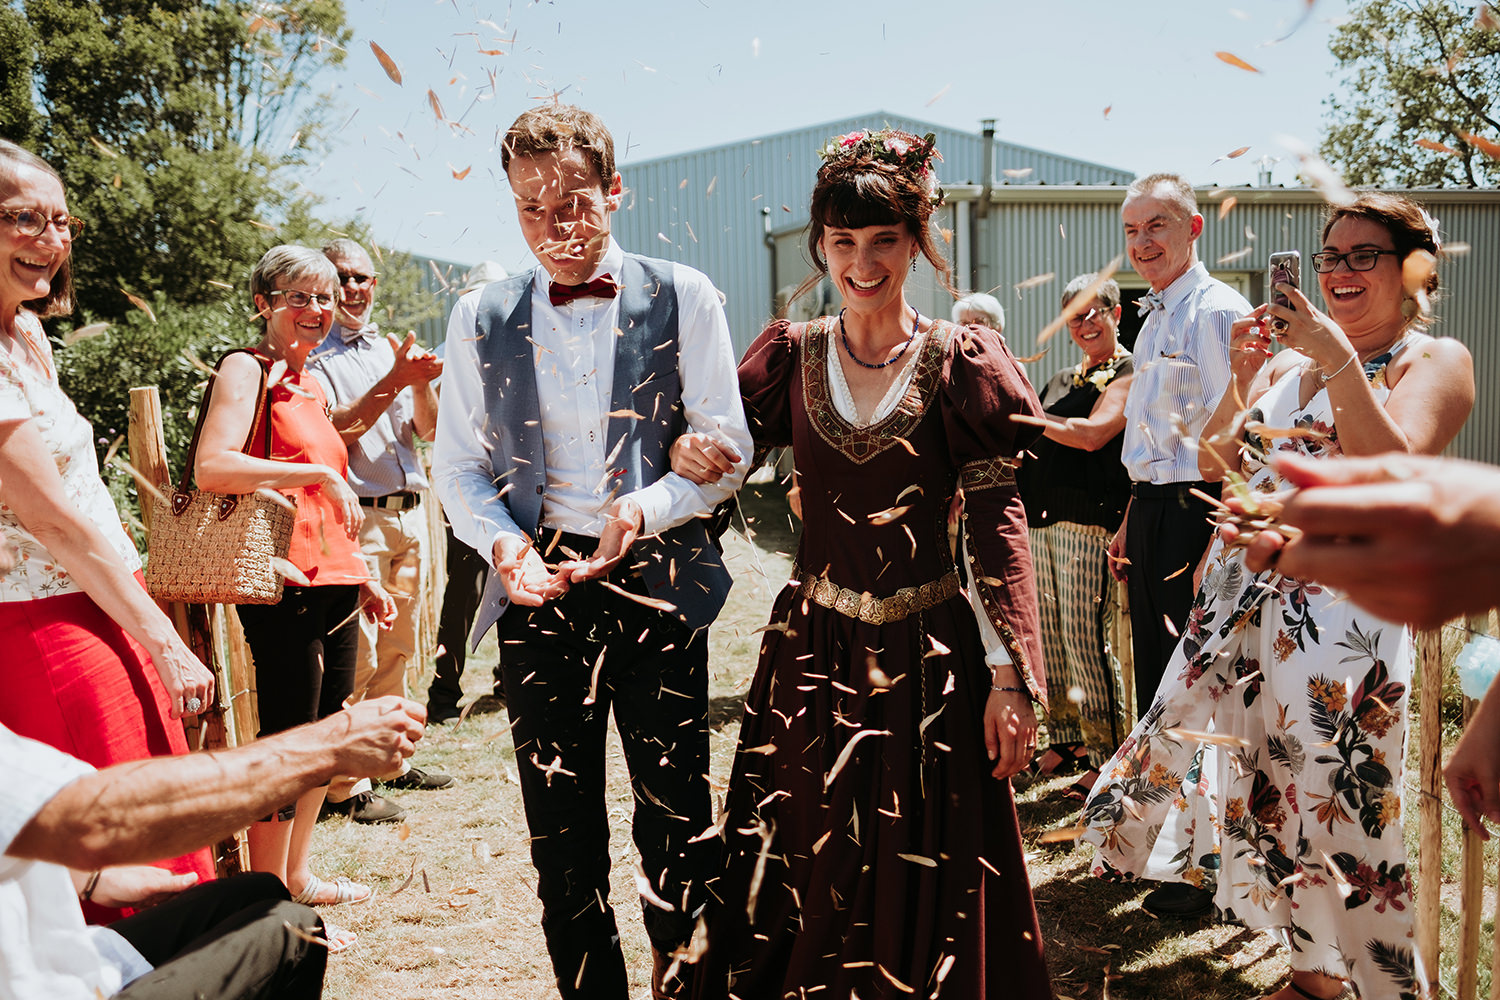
(1009, 731)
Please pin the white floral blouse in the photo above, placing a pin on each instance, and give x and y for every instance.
(27, 395)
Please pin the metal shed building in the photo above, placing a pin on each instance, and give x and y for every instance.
(738, 212)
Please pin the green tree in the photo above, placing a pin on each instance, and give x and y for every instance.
(1413, 70)
(174, 123)
(18, 118)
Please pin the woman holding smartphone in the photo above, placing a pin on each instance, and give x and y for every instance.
(1273, 752)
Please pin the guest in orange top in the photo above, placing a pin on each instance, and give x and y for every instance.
(303, 646)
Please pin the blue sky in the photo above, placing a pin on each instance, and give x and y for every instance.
(1136, 86)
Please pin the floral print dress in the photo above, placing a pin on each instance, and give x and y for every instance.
(1270, 763)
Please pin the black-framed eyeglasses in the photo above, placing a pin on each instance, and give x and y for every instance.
(301, 300)
(1358, 260)
(354, 276)
(30, 222)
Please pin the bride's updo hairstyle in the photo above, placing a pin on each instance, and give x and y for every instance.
(876, 178)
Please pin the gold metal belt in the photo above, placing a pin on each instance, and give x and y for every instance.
(877, 610)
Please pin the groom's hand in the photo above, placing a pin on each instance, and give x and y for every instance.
(623, 525)
(527, 579)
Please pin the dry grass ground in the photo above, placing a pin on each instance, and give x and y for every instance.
(455, 914)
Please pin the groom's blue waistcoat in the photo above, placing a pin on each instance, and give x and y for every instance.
(682, 565)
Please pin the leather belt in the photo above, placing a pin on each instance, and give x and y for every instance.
(1173, 491)
(876, 610)
(392, 501)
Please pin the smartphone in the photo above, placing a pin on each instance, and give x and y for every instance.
(1285, 268)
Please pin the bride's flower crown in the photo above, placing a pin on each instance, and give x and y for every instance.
(889, 145)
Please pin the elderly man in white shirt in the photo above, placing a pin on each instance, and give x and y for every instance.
(380, 392)
(564, 389)
(233, 939)
(1181, 371)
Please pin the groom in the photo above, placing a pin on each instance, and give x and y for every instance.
(564, 387)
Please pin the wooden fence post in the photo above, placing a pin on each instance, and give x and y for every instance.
(1430, 804)
(148, 453)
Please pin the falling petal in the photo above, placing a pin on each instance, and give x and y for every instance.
(387, 63)
(437, 106)
(140, 304)
(292, 574)
(1216, 739)
(1107, 109)
(1235, 61)
(1488, 147)
(1016, 173)
(104, 149)
(1034, 281)
(459, 175)
(1226, 206)
(1437, 147)
(939, 95)
(84, 333)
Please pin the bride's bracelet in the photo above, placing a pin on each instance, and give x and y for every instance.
(1008, 690)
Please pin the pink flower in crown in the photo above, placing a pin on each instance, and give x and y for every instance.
(897, 146)
(851, 139)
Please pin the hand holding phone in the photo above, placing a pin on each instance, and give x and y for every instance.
(1284, 268)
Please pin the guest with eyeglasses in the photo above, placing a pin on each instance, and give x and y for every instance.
(1075, 491)
(92, 665)
(1295, 797)
(304, 646)
(379, 387)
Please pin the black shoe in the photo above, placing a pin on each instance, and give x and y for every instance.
(1180, 900)
(418, 780)
(366, 807)
(442, 715)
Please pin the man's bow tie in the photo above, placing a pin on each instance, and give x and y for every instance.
(352, 334)
(602, 287)
(1148, 302)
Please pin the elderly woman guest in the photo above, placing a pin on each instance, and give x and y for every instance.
(979, 309)
(304, 646)
(1311, 689)
(92, 666)
(869, 819)
(1075, 490)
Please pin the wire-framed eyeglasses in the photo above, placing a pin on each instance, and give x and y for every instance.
(301, 300)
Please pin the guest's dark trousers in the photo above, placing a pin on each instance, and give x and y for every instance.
(239, 938)
(1166, 533)
(466, 572)
(566, 663)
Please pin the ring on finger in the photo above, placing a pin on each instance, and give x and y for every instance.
(193, 705)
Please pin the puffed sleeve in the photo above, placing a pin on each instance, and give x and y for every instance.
(983, 388)
(766, 378)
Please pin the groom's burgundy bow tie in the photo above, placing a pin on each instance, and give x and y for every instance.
(602, 287)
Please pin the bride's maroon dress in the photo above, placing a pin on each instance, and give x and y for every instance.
(868, 848)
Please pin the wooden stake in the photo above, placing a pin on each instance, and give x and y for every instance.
(1430, 804)
(1471, 900)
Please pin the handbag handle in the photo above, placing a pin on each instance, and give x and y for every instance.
(181, 496)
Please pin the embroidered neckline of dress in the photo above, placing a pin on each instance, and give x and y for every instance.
(843, 399)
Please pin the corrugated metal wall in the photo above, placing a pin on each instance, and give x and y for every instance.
(705, 208)
(1068, 232)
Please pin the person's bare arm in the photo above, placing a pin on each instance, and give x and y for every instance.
(1099, 428)
(31, 487)
(222, 466)
(164, 806)
(413, 367)
(1410, 538)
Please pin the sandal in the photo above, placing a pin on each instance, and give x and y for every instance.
(1079, 790)
(1060, 758)
(344, 891)
(339, 938)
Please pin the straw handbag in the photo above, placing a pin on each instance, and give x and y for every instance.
(212, 548)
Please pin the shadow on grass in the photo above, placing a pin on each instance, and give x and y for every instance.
(1093, 928)
(726, 710)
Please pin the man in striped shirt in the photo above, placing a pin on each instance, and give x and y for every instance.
(1181, 371)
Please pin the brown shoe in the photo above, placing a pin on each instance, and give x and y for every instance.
(677, 986)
